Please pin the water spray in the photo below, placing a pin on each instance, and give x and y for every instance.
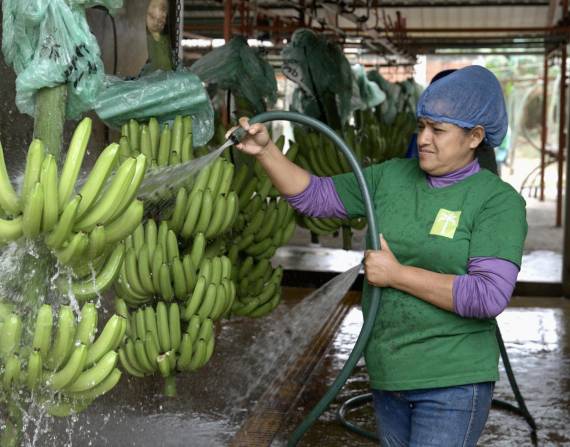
(368, 325)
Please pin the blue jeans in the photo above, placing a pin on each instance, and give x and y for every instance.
(438, 417)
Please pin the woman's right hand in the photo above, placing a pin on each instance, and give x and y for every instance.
(257, 139)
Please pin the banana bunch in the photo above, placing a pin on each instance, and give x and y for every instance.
(214, 293)
(259, 288)
(318, 155)
(154, 267)
(263, 227)
(68, 359)
(75, 226)
(156, 343)
(209, 207)
(375, 141)
(162, 147)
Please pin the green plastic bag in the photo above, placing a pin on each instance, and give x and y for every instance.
(369, 92)
(48, 43)
(160, 94)
(238, 67)
(322, 72)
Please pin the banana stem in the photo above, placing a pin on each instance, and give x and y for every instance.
(50, 117)
(170, 386)
(346, 237)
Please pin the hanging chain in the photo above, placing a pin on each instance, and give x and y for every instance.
(178, 41)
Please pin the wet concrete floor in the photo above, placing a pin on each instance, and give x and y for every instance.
(215, 403)
(536, 332)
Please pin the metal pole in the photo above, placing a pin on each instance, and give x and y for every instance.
(544, 133)
(561, 136)
(228, 10)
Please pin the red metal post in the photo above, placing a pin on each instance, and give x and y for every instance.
(228, 20)
(561, 135)
(544, 133)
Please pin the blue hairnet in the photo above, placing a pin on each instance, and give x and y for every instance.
(468, 97)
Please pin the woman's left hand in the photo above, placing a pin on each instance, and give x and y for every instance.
(381, 266)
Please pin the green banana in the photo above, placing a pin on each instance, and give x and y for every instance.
(101, 388)
(131, 269)
(127, 365)
(33, 210)
(172, 246)
(134, 135)
(62, 231)
(194, 207)
(132, 189)
(189, 272)
(32, 171)
(97, 242)
(198, 249)
(125, 224)
(150, 322)
(146, 143)
(179, 279)
(140, 352)
(208, 303)
(215, 177)
(164, 147)
(154, 132)
(87, 326)
(103, 210)
(144, 272)
(185, 350)
(73, 161)
(138, 238)
(94, 375)
(194, 302)
(187, 154)
(205, 212)
(70, 371)
(239, 178)
(105, 341)
(11, 334)
(177, 133)
(162, 325)
(74, 249)
(34, 370)
(12, 373)
(9, 200)
(10, 230)
(156, 264)
(218, 216)
(216, 270)
(89, 289)
(231, 212)
(151, 349)
(199, 355)
(63, 344)
(42, 332)
(48, 179)
(245, 195)
(174, 325)
(177, 220)
(91, 190)
(165, 281)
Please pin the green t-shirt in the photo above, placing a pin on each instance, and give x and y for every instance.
(415, 344)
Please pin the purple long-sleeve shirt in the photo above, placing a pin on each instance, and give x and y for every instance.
(484, 292)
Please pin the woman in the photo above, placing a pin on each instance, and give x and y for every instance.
(452, 241)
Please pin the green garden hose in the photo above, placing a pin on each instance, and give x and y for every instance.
(366, 330)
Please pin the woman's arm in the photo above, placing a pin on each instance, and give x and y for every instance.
(484, 292)
(287, 177)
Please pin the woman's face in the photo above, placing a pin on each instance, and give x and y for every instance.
(445, 147)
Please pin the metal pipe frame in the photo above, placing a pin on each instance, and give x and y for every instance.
(561, 135)
(544, 130)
